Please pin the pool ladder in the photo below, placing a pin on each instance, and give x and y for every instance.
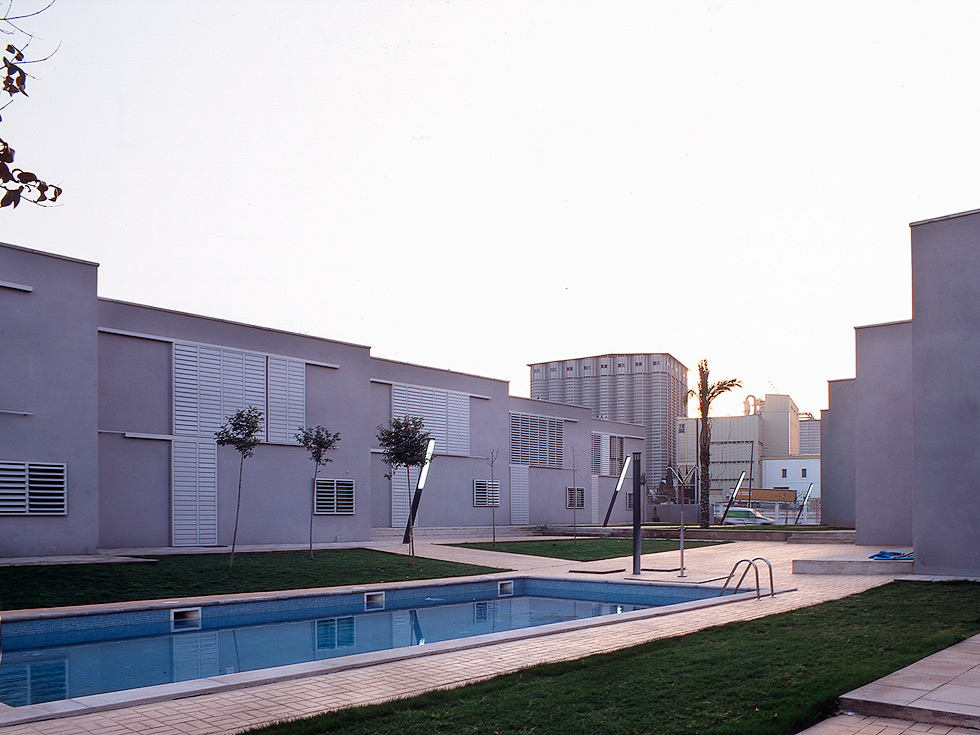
(749, 564)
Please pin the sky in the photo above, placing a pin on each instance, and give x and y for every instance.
(477, 186)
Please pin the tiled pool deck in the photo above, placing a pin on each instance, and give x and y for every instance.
(249, 706)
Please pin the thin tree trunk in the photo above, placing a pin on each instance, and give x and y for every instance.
(238, 508)
(316, 471)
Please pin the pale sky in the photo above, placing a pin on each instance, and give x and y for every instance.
(480, 185)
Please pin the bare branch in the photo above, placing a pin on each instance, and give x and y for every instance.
(10, 7)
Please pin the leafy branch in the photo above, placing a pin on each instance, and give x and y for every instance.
(19, 184)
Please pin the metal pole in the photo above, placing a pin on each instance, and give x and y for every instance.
(637, 516)
(682, 533)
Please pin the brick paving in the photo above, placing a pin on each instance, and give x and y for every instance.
(235, 710)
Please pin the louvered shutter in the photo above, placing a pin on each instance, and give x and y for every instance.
(537, 440)
(195, 494)
(334, 497)
(486, 493)
(211, 405)
(445, 415)
(595, 499)
(287, 399)
(458, 414)
(186, 391)
(520, 505)
(33, 488)
(400, 496)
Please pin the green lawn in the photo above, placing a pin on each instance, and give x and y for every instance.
(208, 574)
(585, 549)
(775, 675)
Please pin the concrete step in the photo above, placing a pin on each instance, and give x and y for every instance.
(821, 537)
(852, 564)
(475, 533)
(942, 689)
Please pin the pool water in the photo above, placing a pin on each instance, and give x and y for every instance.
(62, 658)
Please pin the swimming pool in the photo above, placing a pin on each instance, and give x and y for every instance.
(158, 648)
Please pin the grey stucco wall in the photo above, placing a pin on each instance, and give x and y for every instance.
(447, 499)
(946, 382)
(49, 369)
(837, 458)
(882, 395)
(136, 376)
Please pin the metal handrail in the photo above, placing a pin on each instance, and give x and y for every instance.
(750, 563)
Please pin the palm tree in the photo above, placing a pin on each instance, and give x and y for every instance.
(706, 393)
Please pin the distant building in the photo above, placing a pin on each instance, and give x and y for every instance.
(809, 434)
(769, 428)
(796, 473)
(648, 389)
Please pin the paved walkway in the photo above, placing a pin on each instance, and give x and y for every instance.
(232, 711)
(939, 694)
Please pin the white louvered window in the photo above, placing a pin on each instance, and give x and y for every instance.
(607, 454)
(287, 399)
(33, 488)
(194, 493)
(617, 446)
(575, 497)
(211, 384)
(486, 493)
(537, 440)
(520, 505)
(334, 497)
(446, 415)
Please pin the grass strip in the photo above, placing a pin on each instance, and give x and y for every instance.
(187, 575)
(776, 675)
(585, 549)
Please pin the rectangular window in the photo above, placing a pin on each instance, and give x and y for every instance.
(784, 472)
(629, 501)
(803, 472)
(334, 497)
(681, 428)
(33, 488)
(537, 440)
(486, 494)
(445, 413)
(575, 497)
(616, 452)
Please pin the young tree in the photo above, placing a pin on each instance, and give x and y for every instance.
(16, 184)
(404, 443)
(494, 494)
(317, 441)
(706, 393)
(240, 431)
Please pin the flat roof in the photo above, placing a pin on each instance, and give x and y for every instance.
(47, 254)
(945, 217)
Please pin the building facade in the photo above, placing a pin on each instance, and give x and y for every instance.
(649, 389)
(809, 434)
(899, 440)
(769, 428)
(108, 412)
